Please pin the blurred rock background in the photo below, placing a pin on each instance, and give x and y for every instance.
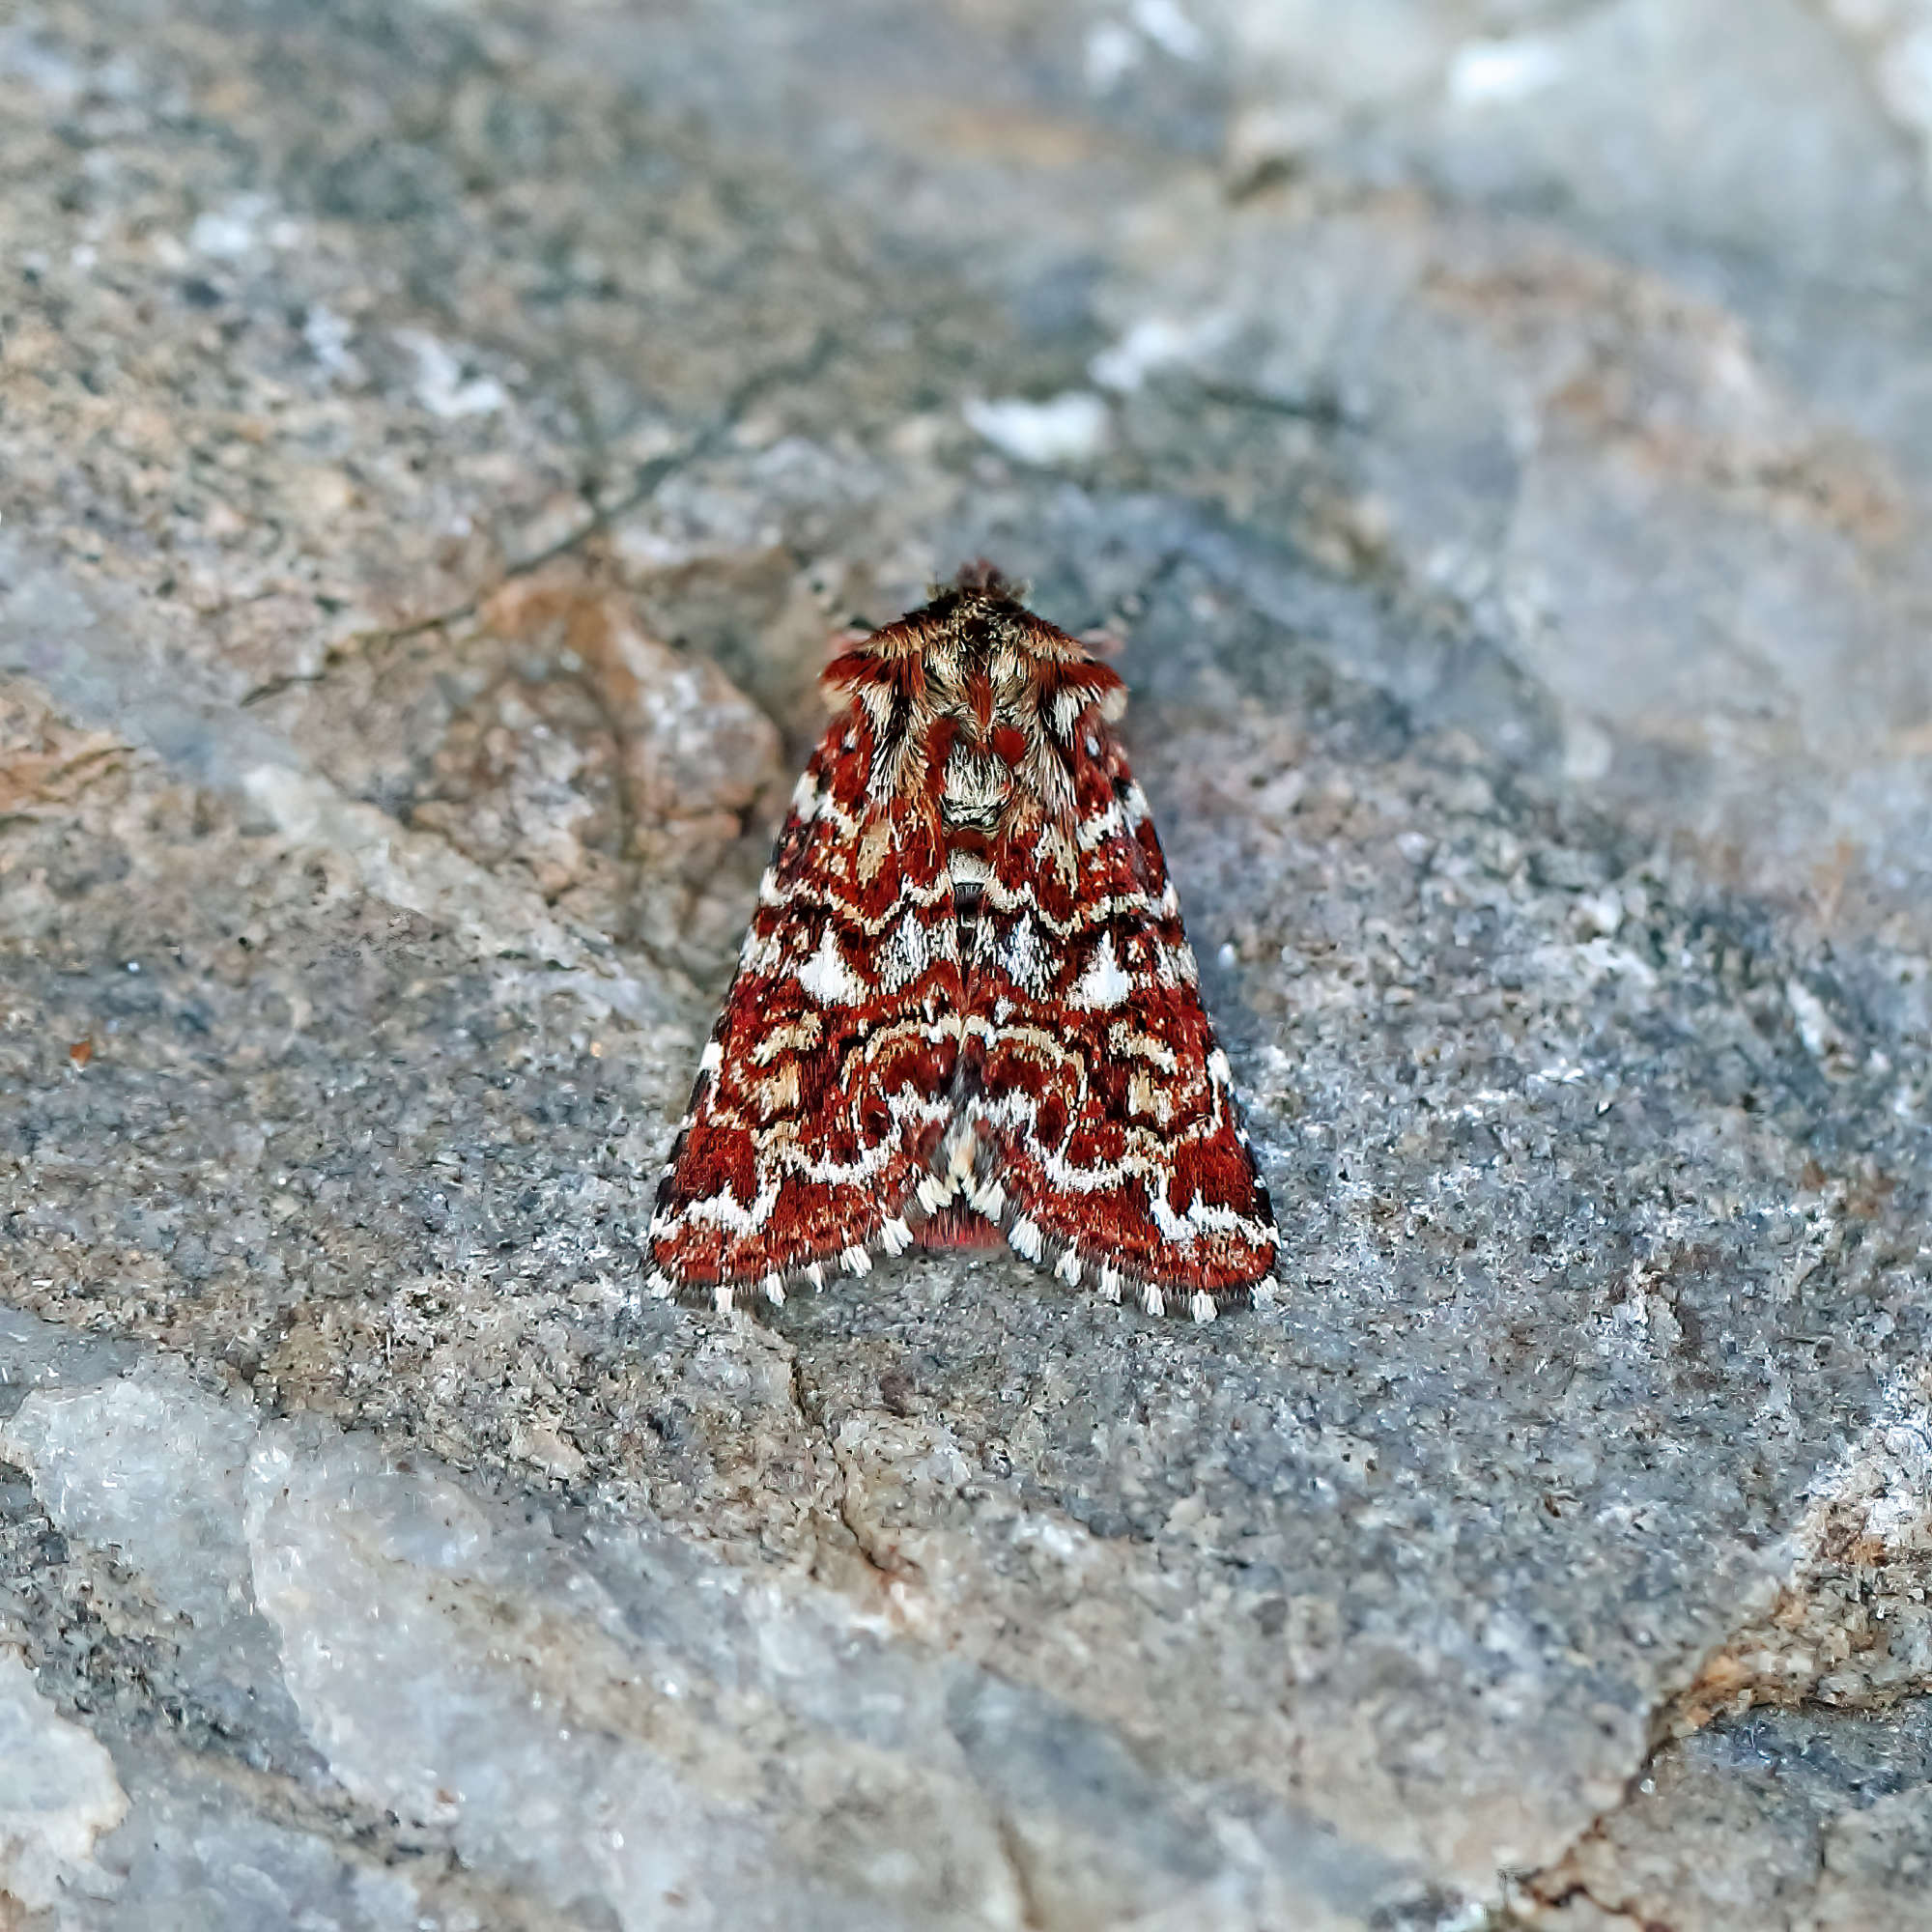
(437, 442)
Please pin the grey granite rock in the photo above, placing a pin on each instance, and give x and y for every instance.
(436, 446)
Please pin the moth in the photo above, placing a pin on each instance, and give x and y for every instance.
(966, 1006)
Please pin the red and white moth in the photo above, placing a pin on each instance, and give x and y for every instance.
(966, 1003)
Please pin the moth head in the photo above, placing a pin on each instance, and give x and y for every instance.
(980, 579)
(975, 656)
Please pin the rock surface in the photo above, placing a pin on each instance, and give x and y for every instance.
(437, 442)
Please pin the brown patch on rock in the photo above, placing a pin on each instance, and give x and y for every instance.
(1853, 1628)
(1668, 388)
(765, 622)
(621, 774)
(46, 763)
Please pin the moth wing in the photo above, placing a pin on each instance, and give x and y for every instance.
(1110, 1136)
(827, 1082)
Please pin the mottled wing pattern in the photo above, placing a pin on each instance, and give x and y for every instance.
(1111, 1137)
(827, 1082)
(966, 1001)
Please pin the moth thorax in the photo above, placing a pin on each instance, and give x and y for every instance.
(974, 789)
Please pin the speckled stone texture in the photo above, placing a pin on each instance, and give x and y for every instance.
(437, 444)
